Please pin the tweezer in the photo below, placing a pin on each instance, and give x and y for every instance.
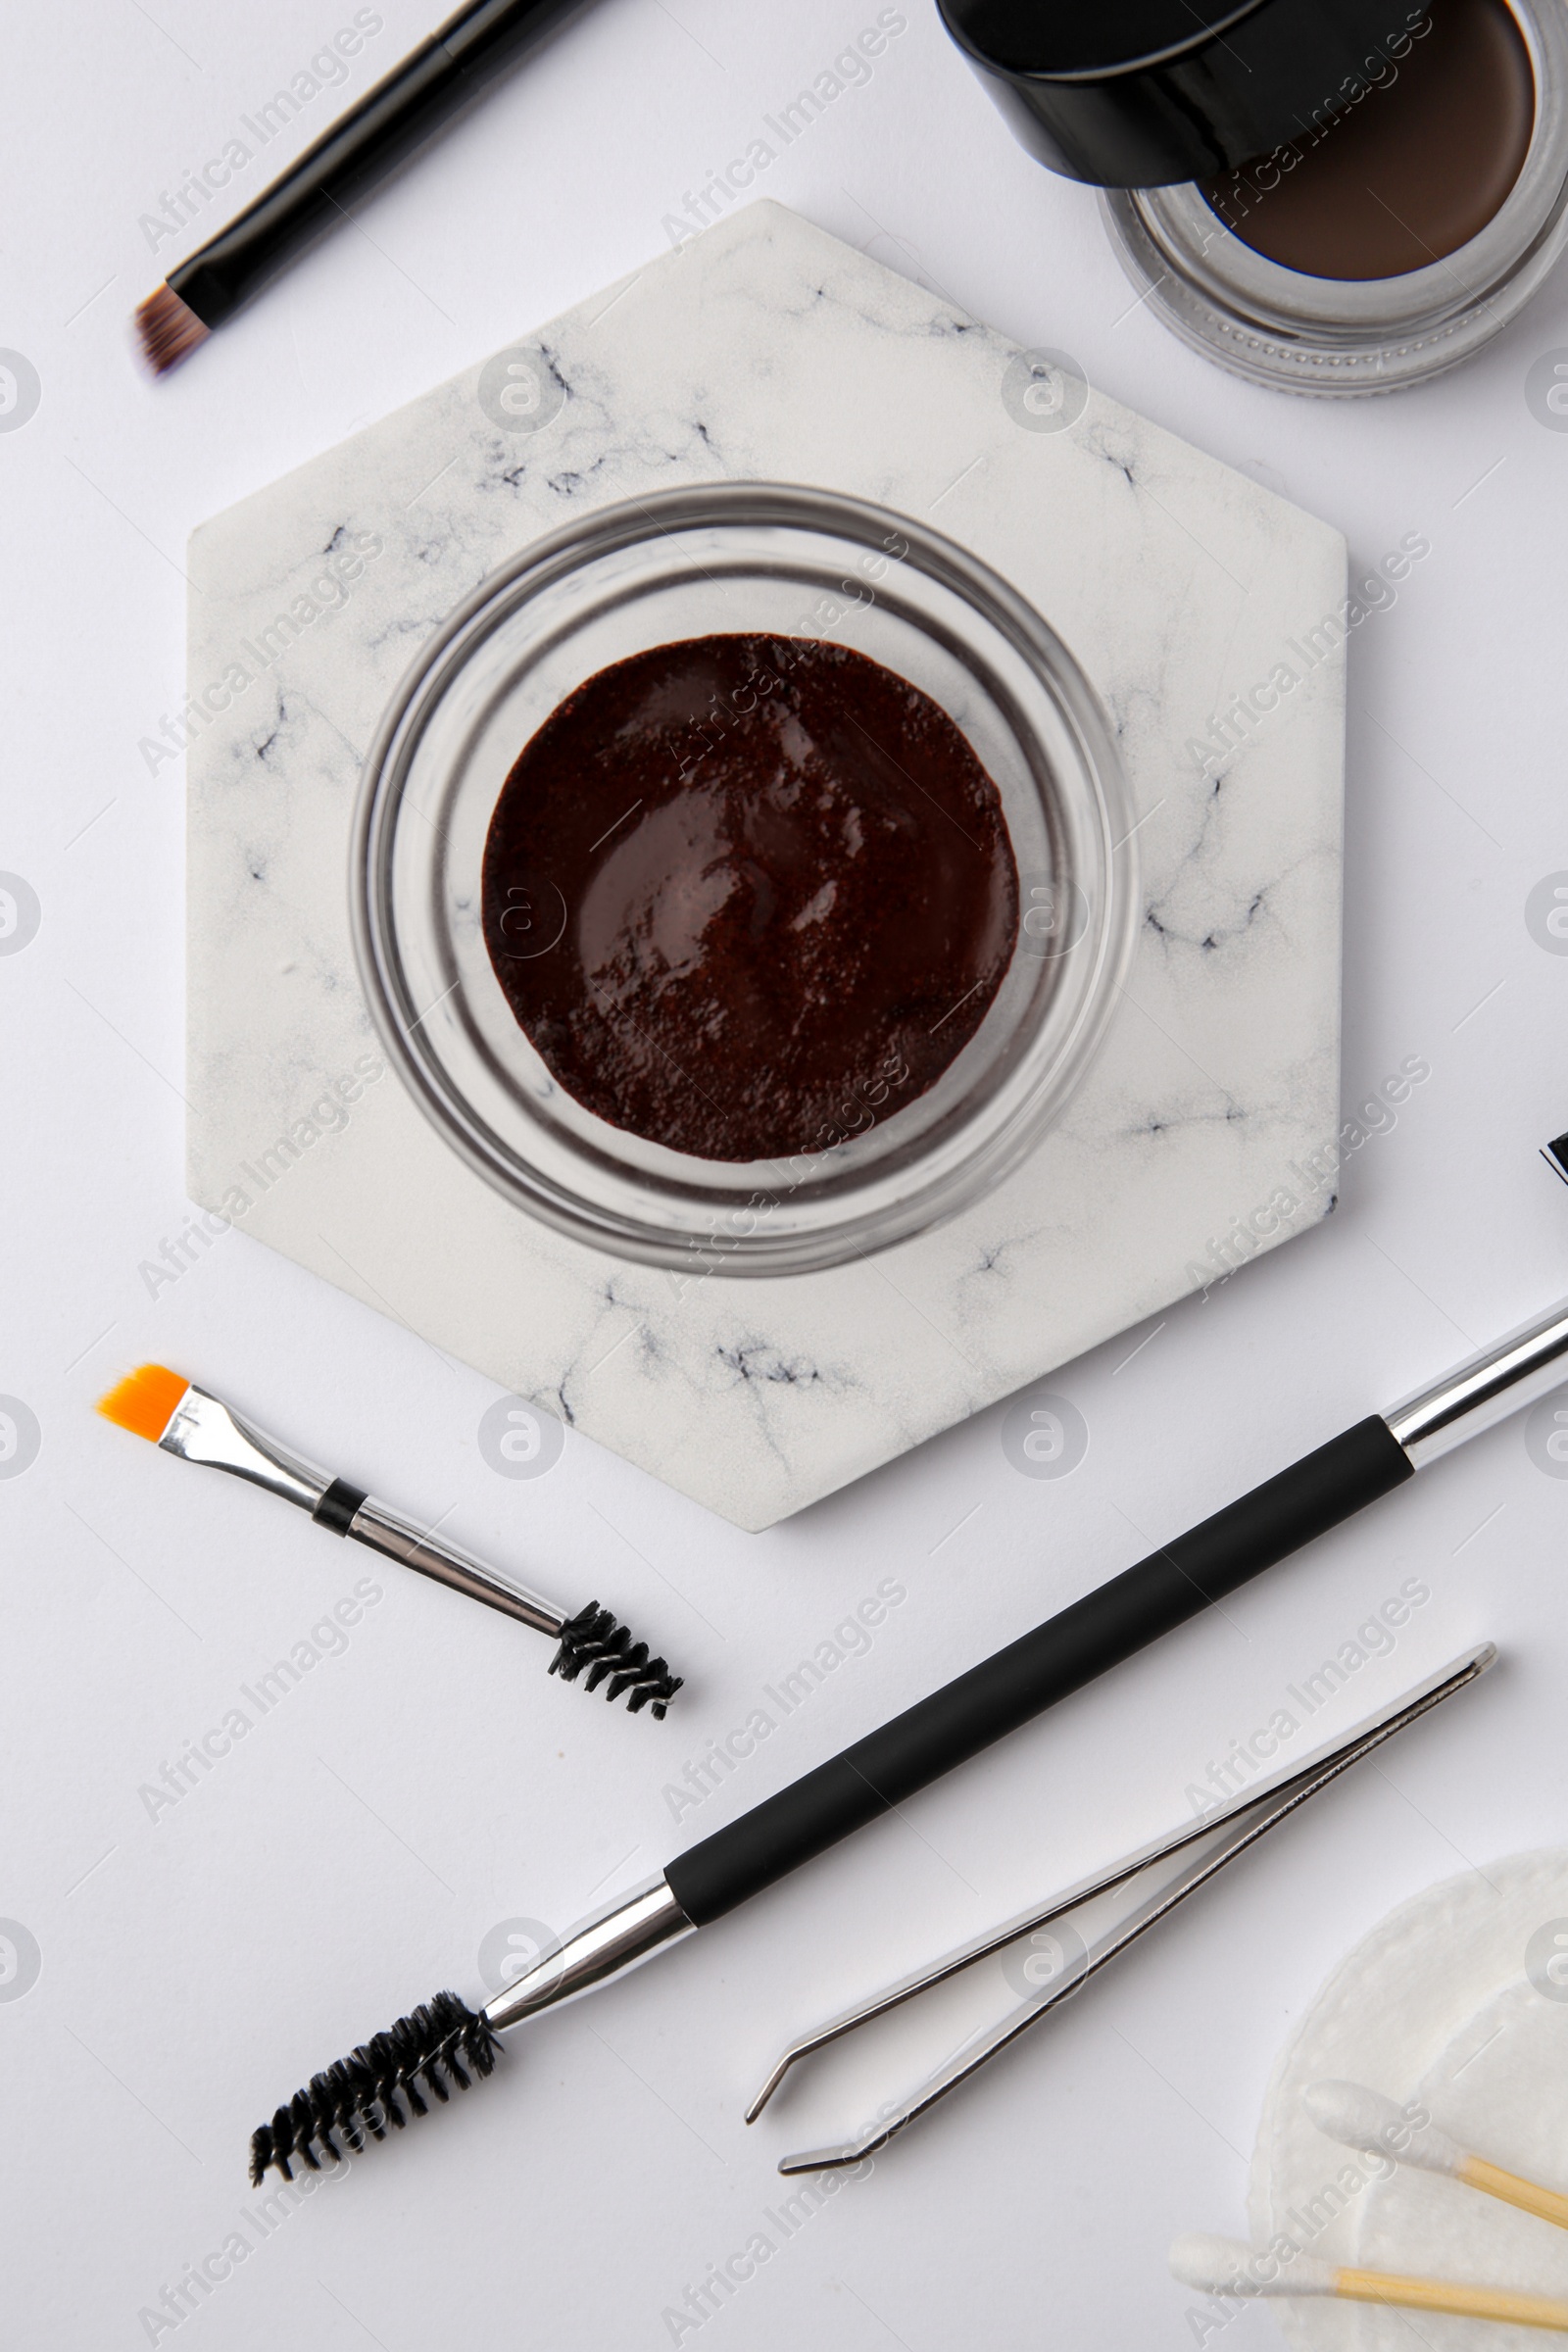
(1074, 1942)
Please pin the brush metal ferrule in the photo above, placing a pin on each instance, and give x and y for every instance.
(200, 1429)
(607, 1944)
(416, 1548)
(1500, 1380)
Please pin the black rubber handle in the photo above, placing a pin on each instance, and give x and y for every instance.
(356, 153)
(1060, 1656)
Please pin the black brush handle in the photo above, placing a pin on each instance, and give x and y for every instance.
(347, 160)
(1060, 1656)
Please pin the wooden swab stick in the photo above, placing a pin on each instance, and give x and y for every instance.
(1364, 2119)
(1223, 2266)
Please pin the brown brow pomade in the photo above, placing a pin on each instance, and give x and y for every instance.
(1415, 168)
(789, 893)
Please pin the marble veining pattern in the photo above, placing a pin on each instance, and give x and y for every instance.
(768, 349)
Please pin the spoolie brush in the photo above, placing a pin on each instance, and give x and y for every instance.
(593, 1640)
(178, 1418)
(441, 2041)
(445, 2042)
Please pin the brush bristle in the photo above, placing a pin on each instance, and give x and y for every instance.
(169, 330)
(361, 2095)
(145, 1401)
(592, 1640)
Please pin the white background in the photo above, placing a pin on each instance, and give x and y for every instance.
(351, 1853)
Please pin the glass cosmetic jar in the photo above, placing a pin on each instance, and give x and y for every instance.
(745, 559)
(1169, 108)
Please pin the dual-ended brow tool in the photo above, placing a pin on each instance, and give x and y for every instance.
(931, 1737)
(183, 1420)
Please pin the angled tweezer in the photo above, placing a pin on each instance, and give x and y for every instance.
(1080, 1944)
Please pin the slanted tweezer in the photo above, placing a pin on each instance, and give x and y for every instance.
(1192, 1856)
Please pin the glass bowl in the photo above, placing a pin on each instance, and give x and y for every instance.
(715, 559)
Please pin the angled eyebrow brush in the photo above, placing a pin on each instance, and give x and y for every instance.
(361, 2096)
(351, 158)
(183, 1420)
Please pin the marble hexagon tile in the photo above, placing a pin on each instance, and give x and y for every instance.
(767, 349)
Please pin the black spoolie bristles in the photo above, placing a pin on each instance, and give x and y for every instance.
(592, 1639)
(361, 2095)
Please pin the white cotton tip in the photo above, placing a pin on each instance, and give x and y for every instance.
(1223, 2266)
(1364, 2119)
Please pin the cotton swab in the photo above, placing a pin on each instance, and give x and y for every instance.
(1364, 2119)
(1223, 2266)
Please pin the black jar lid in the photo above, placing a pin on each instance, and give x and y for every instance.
(1145, 94)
